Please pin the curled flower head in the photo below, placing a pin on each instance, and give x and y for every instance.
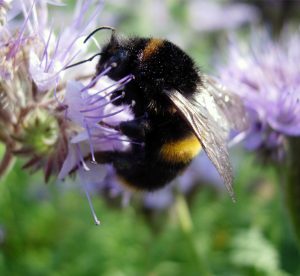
(45, 110)
(266, 75)
(56, 118)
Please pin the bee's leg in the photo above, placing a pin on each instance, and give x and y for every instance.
(116, 98)
(135, 129)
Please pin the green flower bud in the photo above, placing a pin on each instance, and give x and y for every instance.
(40, 132)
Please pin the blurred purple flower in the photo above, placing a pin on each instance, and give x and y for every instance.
(216, 15)
(266, 76)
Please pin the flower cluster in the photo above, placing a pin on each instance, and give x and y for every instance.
(266, 76)
(32, 70)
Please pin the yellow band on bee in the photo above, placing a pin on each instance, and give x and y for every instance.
(181, 151)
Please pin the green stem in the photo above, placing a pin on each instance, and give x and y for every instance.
(186, 225)
(6, 163)
(292, 185)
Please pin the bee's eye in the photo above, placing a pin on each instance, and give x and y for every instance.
(118, 57)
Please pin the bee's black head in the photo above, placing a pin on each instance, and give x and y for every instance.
(116, 58)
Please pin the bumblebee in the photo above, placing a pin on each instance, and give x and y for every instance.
(178, 111)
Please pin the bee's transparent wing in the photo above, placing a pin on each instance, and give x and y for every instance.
(203, 115)
(228, 103)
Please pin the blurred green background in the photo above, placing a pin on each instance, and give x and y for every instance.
(47, 229)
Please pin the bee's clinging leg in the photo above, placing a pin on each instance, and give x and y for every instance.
(135, 129)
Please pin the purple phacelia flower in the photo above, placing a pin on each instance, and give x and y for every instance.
(47, 66)
(87, 106)
(32, 60)
(53, 117)
(265, 74)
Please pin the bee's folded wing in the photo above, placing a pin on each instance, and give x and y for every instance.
(210, 128)
(228, 102)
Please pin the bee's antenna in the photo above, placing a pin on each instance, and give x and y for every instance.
(83, 61)
(113, 30)
(87, 38)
